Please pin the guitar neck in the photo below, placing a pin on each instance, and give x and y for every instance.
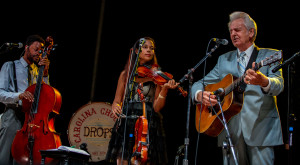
(38, 88)
(240, 80)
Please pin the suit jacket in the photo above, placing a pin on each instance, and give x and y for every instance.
(258, 120)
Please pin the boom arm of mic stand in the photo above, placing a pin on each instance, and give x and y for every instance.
(190, 71)
(287, 62)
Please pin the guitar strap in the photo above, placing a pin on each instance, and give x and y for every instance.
(252, 59)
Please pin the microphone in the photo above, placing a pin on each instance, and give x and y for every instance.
(288, 61)
(219, 92)
(142, 41)
(18, 45)
(220, 41)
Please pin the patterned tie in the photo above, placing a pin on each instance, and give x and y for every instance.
(242, 63)
(29, 75)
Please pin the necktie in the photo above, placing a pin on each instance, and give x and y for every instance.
(29, 76)
(242, 63)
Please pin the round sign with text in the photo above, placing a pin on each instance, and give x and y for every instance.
(92, 124)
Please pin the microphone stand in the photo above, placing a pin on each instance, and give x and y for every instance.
(126, 101)
(290, 115)
(4, 51)
(189, 77)
(225, 144)
(128, 95)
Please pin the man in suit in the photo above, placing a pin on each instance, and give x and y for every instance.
(257, 128)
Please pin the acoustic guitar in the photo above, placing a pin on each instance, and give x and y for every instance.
(208, 120)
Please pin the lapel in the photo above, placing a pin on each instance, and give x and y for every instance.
(234, 63)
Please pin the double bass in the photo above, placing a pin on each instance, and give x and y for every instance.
(38, 132)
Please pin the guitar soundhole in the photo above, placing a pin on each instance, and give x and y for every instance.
(210, 109)
(213, 110)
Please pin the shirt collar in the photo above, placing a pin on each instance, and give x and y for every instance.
(248, 51)
(23, 62)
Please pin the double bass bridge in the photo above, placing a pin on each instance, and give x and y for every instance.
(30, 125)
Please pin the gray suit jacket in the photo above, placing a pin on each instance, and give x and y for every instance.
(258, 120)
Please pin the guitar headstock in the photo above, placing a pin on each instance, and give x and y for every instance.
(277, 56)
(140, 92)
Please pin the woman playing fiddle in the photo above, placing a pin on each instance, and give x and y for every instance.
(155, 99)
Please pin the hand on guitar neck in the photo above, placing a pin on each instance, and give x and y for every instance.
(256, 77)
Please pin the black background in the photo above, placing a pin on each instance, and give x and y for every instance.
(181, 31)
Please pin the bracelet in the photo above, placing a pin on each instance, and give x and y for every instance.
(160, 96)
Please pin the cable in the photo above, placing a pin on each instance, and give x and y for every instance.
(198, 136)
(214, 111)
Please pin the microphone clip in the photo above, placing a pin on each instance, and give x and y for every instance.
(219, 92)
(142, 42)
(220, 41)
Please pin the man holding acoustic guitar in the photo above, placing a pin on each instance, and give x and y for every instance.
(248, 102)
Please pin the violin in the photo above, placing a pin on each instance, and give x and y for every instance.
(158, 76)
(140, 149)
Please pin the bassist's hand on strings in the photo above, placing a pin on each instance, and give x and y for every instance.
(255, 78)
(208, 98)
(45, 61)
(26, 95)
